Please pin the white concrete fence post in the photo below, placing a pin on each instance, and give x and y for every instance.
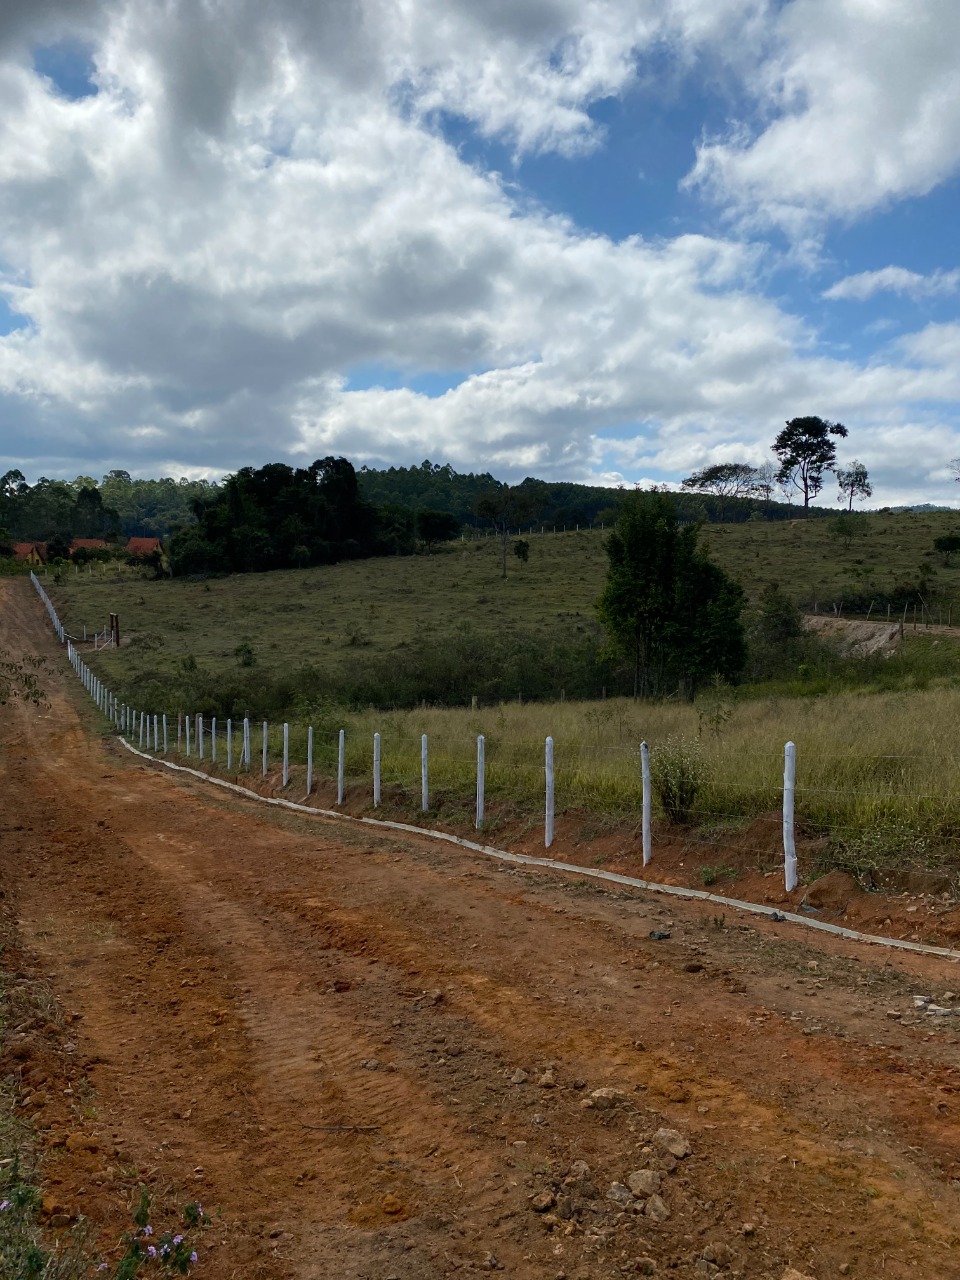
(309, 759)
(200, 736)
(789, 792)
(265, 732)
(186, 729)
(424, 773)
(213, 740)
(340, 751)
(376, 771)
(229, 744)
(156, 736)
(286, 753)
(481, 778)
(548, 770)
(164, 733)
(245, 759)
(645, 777)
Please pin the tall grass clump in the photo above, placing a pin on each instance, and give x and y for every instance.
(677, 769)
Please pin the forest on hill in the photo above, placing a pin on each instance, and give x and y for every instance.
(279, 516)
(560, 503)
(115, 507)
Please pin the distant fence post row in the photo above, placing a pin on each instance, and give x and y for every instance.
(146, 730)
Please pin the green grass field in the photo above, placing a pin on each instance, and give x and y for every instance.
(328, 615)
(877, 771)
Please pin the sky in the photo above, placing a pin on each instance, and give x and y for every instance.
(609, 241)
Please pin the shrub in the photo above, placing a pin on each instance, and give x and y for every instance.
(677, 772)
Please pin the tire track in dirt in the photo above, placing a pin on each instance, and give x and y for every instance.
(203, 944)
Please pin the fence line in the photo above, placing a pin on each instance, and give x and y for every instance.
(553, 864)
(127, 720)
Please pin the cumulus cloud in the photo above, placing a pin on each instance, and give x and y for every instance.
(863, 285)
(259, 200)
(859, 104)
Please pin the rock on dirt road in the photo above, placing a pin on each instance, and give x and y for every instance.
(375, 1057)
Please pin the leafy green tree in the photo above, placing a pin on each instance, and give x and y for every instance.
(854, 482)
(777, 638)
(805, 451)
(506, 507)
(845, 528)
(434, 527)
(948, 544)
(665, 603)
(725, 479)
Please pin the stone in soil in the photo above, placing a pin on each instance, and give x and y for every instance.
(718, 1252)
(620, 1194)
(542, 1201)
(673, 1141)
(604, 1099)
(656, 1209)
(643, 1182)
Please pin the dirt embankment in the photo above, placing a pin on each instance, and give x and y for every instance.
(375, 1057)
(862, 638)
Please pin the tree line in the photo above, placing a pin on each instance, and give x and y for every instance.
(806, 454)
(117, 507)
(282, 517)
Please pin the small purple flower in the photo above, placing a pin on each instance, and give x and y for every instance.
(151, 1251)
(193, 1256)
(178, 1239)
(4, 1204)
(148, 1230)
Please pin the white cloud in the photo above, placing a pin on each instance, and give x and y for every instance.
(860, 105)
(250, 210)
(899, 280)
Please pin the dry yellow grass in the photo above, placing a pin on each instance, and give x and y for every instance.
(872, 769)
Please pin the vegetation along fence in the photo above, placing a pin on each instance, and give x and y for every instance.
(231, 745)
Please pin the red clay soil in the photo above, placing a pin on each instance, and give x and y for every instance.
(371, 1056)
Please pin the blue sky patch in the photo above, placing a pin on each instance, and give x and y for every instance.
(69, 65)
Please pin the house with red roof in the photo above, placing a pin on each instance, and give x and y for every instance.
(141, 547)
(30, 552)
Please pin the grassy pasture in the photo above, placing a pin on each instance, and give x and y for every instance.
(878, 771)
(328, 615)
(864, 760)
(879, 774)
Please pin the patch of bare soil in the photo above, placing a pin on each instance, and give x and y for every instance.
(375, 1057)
(862, 638)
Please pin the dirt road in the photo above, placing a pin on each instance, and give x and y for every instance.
(378, 1058)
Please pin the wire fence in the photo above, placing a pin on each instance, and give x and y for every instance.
(740, 803)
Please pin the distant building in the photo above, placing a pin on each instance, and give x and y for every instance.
(88, 544)
(30, 552)
(141, 547)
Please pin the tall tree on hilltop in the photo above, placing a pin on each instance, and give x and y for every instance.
(726, 480)
(665, 603)
(806, 452)
(854, 482)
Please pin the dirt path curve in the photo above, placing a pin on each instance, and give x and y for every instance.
(235, 979)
